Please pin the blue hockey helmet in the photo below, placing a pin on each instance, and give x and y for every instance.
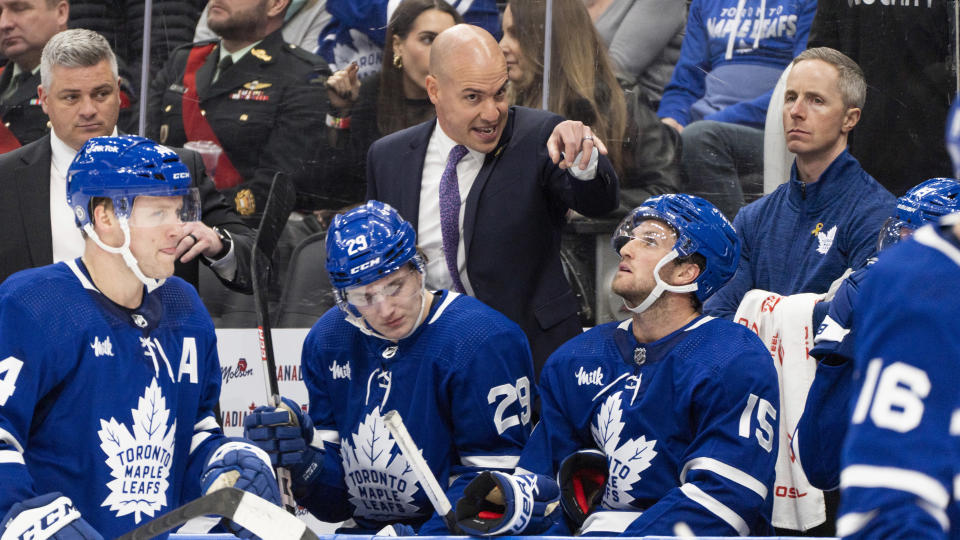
(122, 168)
(953, 136)
(367, 243)
(701, 228)
(924, 203)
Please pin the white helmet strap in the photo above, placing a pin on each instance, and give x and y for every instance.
(124, 251)
(661, 285)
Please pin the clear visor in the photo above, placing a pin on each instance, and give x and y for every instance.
(402, 285)
(163, 209)
(893, 231)
(652, 231)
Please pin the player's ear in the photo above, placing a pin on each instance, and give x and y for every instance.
(685, 272)
(101, 213)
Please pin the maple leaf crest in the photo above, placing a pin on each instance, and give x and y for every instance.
(625, 461)
(139, 462)
(380, 482)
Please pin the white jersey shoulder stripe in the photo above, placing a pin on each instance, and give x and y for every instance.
(716, 507)
(726, 471)
(72, 264)
(608, 521)
(451, 296)
(917, 483)
(490, 462)
(11, 456)
(7, 437)
(701, 322)
(928, 236)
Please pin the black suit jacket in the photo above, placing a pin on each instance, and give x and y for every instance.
(26, 239)
(512, 221)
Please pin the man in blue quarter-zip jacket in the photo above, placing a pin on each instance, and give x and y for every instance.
(805, 234)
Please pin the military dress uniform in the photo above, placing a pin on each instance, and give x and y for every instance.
(267, 112)
(23, 119)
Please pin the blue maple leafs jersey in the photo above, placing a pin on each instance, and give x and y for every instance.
(901, 458)
(688, 424)
(112, 407)
(463, 384)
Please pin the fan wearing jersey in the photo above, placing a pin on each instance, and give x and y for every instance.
(459, 373)
(110, 373)
(660, 424)
(819, 435)
(900, 475)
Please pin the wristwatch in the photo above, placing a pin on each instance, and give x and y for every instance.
(225, 239)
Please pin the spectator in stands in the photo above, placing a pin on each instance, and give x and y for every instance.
(391, 100)
(732, 56)
(25, 27)
(80, 93)
(907, 52)
(302, 24)
(583, 87)
(805, 234)
(121, 22)
(356, 33)
(258, 97)
(643, 38)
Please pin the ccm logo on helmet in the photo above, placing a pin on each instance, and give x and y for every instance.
(365, 265)
(179, 175)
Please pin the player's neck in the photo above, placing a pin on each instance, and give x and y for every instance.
(668, 314)
(810, 167)
(112, 277)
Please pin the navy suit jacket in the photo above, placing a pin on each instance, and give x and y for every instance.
(512, 221)
(26, 241)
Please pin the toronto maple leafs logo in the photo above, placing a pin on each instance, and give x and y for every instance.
(824, 241)
(139, 461)
(626, 461)
(380, 482)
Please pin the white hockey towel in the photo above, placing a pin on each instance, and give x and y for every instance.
(784, 324)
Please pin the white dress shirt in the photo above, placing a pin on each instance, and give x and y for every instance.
(429, 234)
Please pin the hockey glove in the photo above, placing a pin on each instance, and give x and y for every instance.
(284, 432)
(496, 503)
(48, 516)
(237, 463)
(583, 476)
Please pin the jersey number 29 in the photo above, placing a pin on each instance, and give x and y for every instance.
(520, 391)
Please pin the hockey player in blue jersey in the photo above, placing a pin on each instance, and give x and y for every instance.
(901, 457)
(109, 373)
(459, 373)
(819, 435)
(680, 409)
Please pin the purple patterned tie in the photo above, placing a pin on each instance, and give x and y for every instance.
(450, 213)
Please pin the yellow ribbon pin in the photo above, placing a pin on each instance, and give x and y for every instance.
(817, 229)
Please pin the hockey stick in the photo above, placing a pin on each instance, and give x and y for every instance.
(280, 203)
(245, 509)
(421, 470)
